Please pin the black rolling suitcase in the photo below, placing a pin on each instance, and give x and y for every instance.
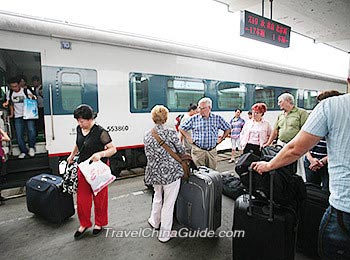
(269, 230)
(315, 206)
(199, 202)
(46, 199)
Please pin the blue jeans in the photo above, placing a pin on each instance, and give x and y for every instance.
(19, 126)
(334, 240)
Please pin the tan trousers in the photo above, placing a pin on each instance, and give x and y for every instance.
(203, 157)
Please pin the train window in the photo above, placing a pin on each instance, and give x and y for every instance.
(139, 88)
(231, 95)
(71, 92)
(182, 92)
(266, 95)
(310, 100)
(67, 88)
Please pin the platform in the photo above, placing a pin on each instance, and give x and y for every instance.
(24, 236)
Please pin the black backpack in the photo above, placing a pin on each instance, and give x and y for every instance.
(268, 152)
(232, 187)
(288, 188)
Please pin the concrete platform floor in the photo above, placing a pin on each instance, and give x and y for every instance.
(25, 236)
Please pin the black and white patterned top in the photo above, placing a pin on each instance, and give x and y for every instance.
(161, 167)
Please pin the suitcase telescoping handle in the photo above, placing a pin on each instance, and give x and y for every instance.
(250, 213)
(45, 177)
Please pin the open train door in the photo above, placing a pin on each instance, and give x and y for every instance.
(25, 66)
(65, 89)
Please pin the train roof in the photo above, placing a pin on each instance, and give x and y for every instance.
(63, 30)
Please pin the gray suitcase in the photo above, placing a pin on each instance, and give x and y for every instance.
(199, 202)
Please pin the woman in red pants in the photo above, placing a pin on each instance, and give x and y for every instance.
(93, 143)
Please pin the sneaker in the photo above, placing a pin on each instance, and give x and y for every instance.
(31, 152)
(22, 155)
(231, 161)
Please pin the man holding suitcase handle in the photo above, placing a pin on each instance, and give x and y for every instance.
(328, 119)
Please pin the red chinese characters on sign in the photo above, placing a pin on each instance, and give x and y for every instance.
(260, 28)
(282, 39)
(256, 31)
(270, 26)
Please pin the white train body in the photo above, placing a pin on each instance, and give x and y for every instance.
(113, 60)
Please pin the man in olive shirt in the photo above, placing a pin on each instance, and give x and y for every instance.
(288, 124)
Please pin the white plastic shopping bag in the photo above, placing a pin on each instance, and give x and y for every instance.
(30, 109)
(97, 174)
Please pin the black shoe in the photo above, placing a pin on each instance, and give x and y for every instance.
(78, 234)
(96, 232)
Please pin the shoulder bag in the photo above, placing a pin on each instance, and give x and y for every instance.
(184, 159)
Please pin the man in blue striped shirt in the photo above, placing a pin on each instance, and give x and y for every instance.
(205, 128)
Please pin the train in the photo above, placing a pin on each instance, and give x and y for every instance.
(122, 76)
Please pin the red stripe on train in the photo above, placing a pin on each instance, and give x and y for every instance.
(118, 148)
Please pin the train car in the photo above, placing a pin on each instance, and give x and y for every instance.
(122, 76)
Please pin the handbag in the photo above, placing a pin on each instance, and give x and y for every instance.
(69, 176)
(97, 174)
(30, 109)
(70, 173)
(184, 159)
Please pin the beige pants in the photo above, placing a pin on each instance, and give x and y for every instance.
(204, 158)
(163, 207)
(300, 163)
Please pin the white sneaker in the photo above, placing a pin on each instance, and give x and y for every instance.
(22, 155)
(31, 152)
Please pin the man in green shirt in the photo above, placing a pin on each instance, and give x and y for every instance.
(288, 124)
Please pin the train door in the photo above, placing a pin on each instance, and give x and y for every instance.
(64, 89)
(20, 164)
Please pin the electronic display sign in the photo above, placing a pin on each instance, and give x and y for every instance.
(259, 28)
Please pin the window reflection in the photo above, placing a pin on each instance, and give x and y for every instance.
(231, 95)
(310, 100)
(71, 91)
(182, 92)
(140, 91)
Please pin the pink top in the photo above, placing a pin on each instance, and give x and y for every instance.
(254, 132)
